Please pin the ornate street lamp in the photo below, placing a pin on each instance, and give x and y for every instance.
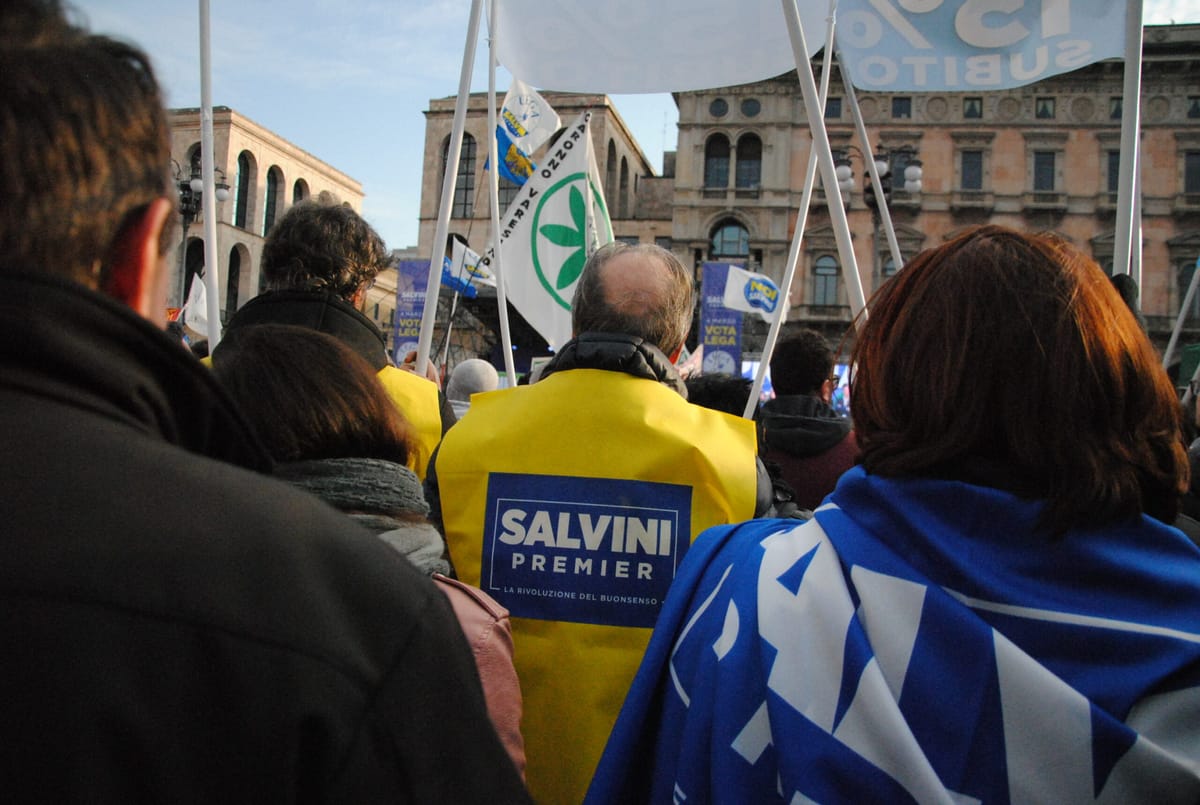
(191, 192)
(883, 158)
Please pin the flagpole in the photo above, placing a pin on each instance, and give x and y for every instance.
(1130, 129)
(789, 273)
(494, 200)
(885, 213)
(833, 195)
(429, 314)
(209, 197)
(1184, 308)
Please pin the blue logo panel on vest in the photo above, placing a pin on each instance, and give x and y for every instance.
(584, 550)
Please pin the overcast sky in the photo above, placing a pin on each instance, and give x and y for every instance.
(348, 80)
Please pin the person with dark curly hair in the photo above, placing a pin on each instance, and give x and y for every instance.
(317, 265)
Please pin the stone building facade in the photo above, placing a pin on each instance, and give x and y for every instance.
(1041, 157)
(265, 175)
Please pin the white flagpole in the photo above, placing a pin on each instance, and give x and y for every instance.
(1135, 252)
(1130, 129)
(885, 214)
(494, 199)
(833, 195)
(789, 273)
(1185, 307)
(209, 196)
(429, 314)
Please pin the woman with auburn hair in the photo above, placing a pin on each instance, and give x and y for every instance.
(322, 414)
(989, 607)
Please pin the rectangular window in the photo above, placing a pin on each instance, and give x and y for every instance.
(1114, 170)
(902, 107)
(631, 240)
(663, 242)
(1191, 172)
(972, 108)
(1043, 171)
(972, 170)
(833, 108)
(1115, 107)
(1044, 108)
(1193, 106)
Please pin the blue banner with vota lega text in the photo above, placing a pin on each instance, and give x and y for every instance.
(961, 45)
(583, 550)
(412, 276)
(720, 327)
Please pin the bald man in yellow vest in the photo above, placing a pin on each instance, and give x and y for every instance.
(317, 264)
(573, 500)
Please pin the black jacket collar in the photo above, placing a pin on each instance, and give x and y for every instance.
(73, 346)
(316, 310)
(616, 352)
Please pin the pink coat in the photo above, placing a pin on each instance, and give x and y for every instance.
(486, 626)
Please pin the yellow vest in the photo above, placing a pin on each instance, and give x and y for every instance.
(417, 399)
(572, 502)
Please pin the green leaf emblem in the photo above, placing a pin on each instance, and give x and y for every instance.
(565, 236)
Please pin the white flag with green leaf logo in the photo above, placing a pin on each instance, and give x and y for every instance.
(546, 235)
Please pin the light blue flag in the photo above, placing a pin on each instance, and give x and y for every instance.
(973, 45)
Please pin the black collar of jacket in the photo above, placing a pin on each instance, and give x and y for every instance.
(317, 310)
(68, 344)
(617, 352)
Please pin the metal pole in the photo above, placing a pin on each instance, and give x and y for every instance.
(429, 314)
(1184, 308)
(209, 196)
(833, 195)
(1130, 128)
(494, 199)
(789, 272)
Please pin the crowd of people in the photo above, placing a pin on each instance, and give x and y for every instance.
(299, 572)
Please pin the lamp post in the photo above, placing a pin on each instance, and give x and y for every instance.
(883, 159)
(191, 193)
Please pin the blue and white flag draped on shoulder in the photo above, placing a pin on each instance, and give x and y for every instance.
(916, 642)
(973, 45)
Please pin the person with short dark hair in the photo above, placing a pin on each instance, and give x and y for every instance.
(318, 262)
(989, 608)
(572, 499)
(178, 628)
(804, 436)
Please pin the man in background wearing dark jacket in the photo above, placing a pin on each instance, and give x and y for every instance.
(318, 263)
(812, 445)
(177, 628)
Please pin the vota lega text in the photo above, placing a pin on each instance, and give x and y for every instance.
(613, 535)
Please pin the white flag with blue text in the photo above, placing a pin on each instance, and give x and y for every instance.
(973, 45)
(527, 117)
(465, 263)
(751, 293)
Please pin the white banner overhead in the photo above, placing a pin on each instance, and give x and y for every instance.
(956, 45)
(634, 46)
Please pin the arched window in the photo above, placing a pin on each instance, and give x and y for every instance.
(193, 266)
(610, 172)
(825, 280)
(623, 191)
(464, 183)
(194, 160)
(749, 162)
(245, 186)
(716, 162)
(231, 283)
(300, 191)
(271, 201)
(1183, 276)
(729, 241)
(508, 191)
